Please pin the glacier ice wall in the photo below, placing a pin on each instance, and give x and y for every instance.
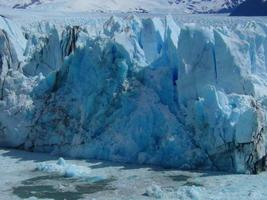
(139, 90)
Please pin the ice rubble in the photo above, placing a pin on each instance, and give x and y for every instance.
(63, 169)
(154, 191)
(141, 90)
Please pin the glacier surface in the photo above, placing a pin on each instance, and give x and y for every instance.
(139, 90)
(138, 6)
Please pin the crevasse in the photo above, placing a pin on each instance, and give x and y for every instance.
(144, 91)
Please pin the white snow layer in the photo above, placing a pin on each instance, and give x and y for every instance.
(138, 90)
(154, 6)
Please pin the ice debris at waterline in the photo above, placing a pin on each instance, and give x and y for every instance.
(154, 191)
(63, 169)
(138, 90)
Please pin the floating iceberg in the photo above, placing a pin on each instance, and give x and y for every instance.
(141, 90)
(154, 191)
(63, 169)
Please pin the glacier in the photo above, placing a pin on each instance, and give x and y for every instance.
(142, 90)
(135, 6)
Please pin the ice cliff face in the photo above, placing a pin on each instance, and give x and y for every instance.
(140, 90)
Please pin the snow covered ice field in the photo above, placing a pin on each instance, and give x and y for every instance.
(185, 92)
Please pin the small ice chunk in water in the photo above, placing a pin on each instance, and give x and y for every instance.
(61, 167)
(154, 191)
(61, 162)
